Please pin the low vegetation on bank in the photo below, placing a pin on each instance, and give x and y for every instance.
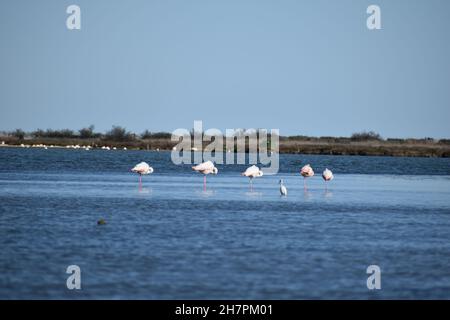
(361, 143)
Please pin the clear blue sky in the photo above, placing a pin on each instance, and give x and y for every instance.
(305, 67)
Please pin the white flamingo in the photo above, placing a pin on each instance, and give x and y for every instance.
(327, 175)
(141, 169)
(283, 189)
(205, 168)
(252, 172)
(306, 172)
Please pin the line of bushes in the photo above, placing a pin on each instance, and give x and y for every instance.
(116, 133)
(120, 134)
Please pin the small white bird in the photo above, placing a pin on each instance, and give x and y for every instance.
(306, 172)
(205, 168)
(283, 189)
(327, 175)
(252, 172)
(141, 169)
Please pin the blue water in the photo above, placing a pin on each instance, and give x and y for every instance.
(172, 240)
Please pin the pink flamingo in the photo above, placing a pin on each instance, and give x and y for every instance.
(205, 168)
(252, 172)
(306, 172)
(141, 169)
(327, 175)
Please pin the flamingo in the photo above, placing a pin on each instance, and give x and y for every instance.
(142, 168)
(306, 172)
(283, 189)
(252, 172)
(205, 168)
(327, 175)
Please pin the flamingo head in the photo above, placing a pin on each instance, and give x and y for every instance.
(215, 170)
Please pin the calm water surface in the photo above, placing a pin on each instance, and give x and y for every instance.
(172, 240)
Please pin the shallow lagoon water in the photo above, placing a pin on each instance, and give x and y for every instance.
(172, 240)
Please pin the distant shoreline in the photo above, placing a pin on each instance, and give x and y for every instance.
(288, 145)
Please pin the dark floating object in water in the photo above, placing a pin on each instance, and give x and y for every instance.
(101, 222)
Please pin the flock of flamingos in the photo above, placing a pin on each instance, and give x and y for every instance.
(252, 172)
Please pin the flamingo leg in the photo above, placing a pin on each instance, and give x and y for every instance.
(251, 184)
(304, 184)
(140, 181)
(204, 182)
